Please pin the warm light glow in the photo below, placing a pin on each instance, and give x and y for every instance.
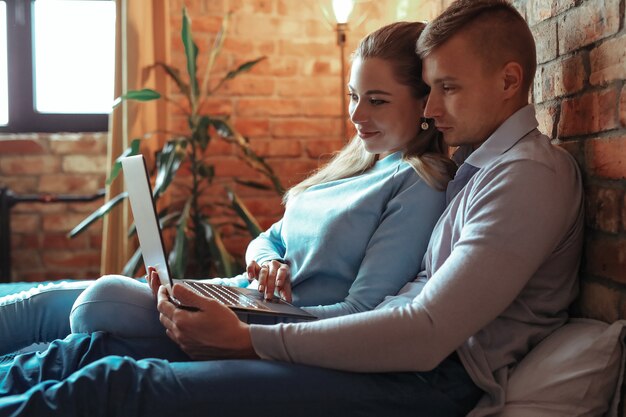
(342, 10)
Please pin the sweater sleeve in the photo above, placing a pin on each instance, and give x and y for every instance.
(394, 251)
(484, 273)
(268, 245)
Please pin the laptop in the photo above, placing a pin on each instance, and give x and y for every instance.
(241, 300)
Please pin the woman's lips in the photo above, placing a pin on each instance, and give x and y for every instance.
(365, 135)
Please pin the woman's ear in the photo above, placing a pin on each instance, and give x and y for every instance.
(513, 77)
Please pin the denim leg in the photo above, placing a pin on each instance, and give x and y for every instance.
(64, 357)
(119, 305)
(40, 314)
(122, 386)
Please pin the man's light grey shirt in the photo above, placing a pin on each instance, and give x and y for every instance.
(499, 274)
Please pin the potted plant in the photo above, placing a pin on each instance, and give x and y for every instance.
(197, 238)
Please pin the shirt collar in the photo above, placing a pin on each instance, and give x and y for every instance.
(518, 125)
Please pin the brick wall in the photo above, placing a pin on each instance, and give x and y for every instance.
(72, 164)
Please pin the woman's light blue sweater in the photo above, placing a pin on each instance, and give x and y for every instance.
(351, 242)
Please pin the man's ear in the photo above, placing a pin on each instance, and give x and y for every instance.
(512, 77)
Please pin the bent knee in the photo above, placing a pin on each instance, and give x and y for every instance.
(118, 305)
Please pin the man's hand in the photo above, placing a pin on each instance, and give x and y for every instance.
(272, 275)
(213, 331)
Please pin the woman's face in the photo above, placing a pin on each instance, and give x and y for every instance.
(384, 112)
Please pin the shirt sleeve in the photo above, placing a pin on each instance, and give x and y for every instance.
(268, 245)
(511, 227)
(394, 251)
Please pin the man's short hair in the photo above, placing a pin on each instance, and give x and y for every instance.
(497, 31)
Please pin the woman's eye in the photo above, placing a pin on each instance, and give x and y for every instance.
(377, 102)
(353, 97)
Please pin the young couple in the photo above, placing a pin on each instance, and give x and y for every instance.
(497, 276)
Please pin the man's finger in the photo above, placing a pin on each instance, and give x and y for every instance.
(188, 297)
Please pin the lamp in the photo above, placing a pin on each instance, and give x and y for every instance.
(342, 10)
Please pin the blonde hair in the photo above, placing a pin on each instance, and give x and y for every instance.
(427, 153)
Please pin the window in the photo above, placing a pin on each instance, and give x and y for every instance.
(60, 60)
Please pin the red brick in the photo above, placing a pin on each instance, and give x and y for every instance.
(249, 86)
(215, 106)
(306, 49)
(622, 107)
(590, 113)
(254, 6)
(41, 164)
(253, 127)
(559, 78)
(21, 241)
(608, 61)
(603, 208)
(546, 114)
(81, 164)
(315, 67)
(545, 41)
(268, 107)
(599, 302)
(21, 184)
(264, 206)
(320, 107)
(624, 213)
(606, 257)
(591, 21)
(304, 127)
(30, 258)
(20, 146)
(74, 259)
(606, 157)
(292, 172)
(61, 241)
(79, 144)
(324, 86)
(25, 223)
(323, 148)
(70, 184)
(233, 168)
(251, 26)
(63, 222)
(297, 8)
(277, 147)
(277, 66)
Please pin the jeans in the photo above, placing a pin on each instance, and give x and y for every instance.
(76, 377)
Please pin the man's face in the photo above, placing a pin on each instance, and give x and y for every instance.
(465, 100)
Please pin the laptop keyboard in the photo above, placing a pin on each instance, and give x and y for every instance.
(225, 295)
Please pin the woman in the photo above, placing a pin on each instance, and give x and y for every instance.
(352, 233)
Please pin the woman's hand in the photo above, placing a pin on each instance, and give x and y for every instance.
(213, 331)
(272, 275)
(154, 282)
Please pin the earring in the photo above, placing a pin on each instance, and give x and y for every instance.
(424, 125)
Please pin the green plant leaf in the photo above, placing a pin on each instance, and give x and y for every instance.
(178, 256)
(133, 149)
(96, 215)
(134, 263)
(145, 94)
(224, 262)
(206, 171)
(191, 53)
(215, 51)
(201, 132)
(253, 184)
(242, 211)
(246, 66)
(174, 74)
(168, 162)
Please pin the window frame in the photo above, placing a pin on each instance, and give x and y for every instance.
(23, 118)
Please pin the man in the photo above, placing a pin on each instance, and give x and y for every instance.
(498, 277)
